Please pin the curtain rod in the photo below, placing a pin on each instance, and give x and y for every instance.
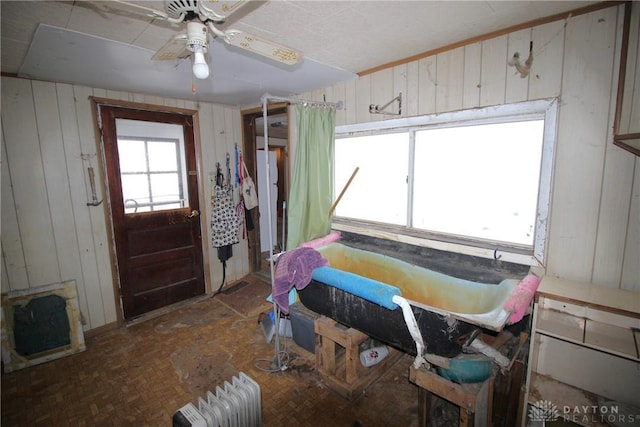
(267, 96)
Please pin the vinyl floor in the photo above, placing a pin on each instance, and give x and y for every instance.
(142, 373)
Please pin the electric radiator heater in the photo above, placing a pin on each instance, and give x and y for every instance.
(236, 404)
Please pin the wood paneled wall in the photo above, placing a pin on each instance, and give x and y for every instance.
(595, 212)
(49, 234)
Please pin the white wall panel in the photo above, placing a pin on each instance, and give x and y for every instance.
(219, 131)
(548, 51)
(493, 71)
(55, 171)
(61, 205)
(208, 158)
(99, 290)
(613, 221)
(233, 125)
(618, 174)
(450, 87)
(338, 94)
(210, 116)
(350, 102)
(90, 306)
(472, 70)
(427, 80)
(411, 98)
(363, 99)
(400, 87)
(118, 95)
(29, 184)
(14, 265)
(381, 93)
(238, 266)
(581, 146)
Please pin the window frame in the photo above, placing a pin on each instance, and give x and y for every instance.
(546, 109)
(152, 205)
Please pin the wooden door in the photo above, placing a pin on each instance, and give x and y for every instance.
(153, 189)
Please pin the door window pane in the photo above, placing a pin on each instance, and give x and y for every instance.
(152, 166)
(165, 187)
(130, 153)
(135, 187)
(162, 156)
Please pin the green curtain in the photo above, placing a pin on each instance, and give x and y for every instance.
(311, 193)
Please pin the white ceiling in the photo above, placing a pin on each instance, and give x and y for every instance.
(101, 44)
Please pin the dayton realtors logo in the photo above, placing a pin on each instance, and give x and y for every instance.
(545, 410)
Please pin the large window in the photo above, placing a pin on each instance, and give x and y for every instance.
(476, 178)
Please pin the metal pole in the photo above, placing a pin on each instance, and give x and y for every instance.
(265, 100)
(276, 312)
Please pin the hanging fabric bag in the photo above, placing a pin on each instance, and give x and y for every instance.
(249, 193)
(224, 222)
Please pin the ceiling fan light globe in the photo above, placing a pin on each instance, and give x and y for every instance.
(200, 67)
(201, 71)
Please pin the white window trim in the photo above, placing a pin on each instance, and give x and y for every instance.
(542, 108)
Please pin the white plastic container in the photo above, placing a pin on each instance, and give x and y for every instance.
(373, 355)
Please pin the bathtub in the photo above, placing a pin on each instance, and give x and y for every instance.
(446, 309)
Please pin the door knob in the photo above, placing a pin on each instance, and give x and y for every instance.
(194, 213)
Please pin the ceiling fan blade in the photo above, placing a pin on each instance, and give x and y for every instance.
(262, 46)
(175, 48)
(219, 10)
(138, 8)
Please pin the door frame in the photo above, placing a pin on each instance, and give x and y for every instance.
(249, 156)
(102, 179)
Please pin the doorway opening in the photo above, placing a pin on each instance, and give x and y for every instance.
(254, 156)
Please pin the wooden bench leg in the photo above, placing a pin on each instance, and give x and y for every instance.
(466, 418)
(424, 406)
(474, 400)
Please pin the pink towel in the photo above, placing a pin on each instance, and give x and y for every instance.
(334, 236)
(520, 297)
(294, 268)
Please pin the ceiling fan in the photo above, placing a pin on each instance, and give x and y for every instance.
(201, 18)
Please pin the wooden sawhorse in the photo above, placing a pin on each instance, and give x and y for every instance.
(338, 358)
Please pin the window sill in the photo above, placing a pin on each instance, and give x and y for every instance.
(389, 233)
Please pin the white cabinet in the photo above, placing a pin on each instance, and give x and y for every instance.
(584, 359)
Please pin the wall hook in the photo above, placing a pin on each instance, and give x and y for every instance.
(377, 109)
